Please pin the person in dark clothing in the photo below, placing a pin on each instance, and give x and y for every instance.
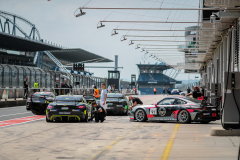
(163, 90)
(135, 101)
(99, 113)
(25, 83)
(168, 91)
(56, 90)
(188, 90)
(202, 91)
(196, 93)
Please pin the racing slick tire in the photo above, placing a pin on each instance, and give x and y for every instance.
(48, 120)
(184, 116)
(140, 115)
(86, 118)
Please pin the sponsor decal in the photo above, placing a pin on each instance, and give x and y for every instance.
(150, 116)
(174, 113)
(162, 111)
(153, 111)
(206, 114)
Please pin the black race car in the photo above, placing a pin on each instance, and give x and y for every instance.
(39, 101)
(69, 108)
(90, 99)
(176, 108)
(117, 103)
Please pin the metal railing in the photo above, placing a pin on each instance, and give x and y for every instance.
(12, 76)
(18, 93)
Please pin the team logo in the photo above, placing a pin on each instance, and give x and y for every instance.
(162, 111)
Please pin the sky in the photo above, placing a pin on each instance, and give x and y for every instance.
(56, 23)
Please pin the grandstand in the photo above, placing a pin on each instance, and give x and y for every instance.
(152, 76)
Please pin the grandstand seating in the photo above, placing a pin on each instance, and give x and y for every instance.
(155, 77)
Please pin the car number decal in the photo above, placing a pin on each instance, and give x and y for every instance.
(153, 111)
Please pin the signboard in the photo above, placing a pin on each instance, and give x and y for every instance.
(5, 94)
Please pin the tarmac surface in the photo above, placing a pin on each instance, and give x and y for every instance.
(114, 139)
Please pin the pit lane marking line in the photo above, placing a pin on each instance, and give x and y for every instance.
(169, 145)
(151, 152)
(13, 114)
(113, 143)
(13, 122)
(13, 107)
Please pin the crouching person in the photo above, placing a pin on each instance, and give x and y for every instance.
(99, 112)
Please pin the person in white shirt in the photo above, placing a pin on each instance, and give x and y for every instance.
(103, 97)
(109, 89)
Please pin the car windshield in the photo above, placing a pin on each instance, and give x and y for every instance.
(174, 90)
(68, 98)
(41, 94)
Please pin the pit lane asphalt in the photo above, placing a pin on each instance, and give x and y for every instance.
(14, 112)
(116, 138)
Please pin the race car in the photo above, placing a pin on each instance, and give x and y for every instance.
(39, 101)
(69, 108)
(90, 99)
(117, 103)
(175, 91)
(176, 108)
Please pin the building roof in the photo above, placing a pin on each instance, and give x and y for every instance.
(159, 66)
(78, 55)
(10, 42)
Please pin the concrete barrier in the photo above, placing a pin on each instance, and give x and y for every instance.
(219, 131)
(13, 103)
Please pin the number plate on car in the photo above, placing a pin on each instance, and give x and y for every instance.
(64, 112)
(110, 104)
(64, 108)
(110, 107)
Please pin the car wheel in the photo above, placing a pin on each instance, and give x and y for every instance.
(86, 118)
(48, 120)
(140, 115)
(205, 122)
(126, 112)
(184, 116)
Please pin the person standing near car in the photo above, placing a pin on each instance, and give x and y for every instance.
(109, 88)
(167, 91)
(103, 97)
(163, 91)
(188, 90)
(135, 101)
(96, 93)
(154, 90)
(196, 93)
(25, 83)
(56, 90)
(36, 85)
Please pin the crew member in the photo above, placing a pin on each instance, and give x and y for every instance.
(202, 91)
(96, 93)
(135, 101)
(196, 93)
(26, 88)
(188, 90)
(36, 85)
(155, 90)
(103, 97)
(99, 113)
(163, 91)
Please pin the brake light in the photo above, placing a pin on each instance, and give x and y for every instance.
(214, 114)
(50, 106)
(200, 109)
(81, 106)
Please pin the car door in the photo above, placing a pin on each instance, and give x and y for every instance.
(164, 109)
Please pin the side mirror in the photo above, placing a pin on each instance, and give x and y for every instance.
(155, 104)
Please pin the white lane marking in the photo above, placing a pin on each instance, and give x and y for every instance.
(14, 114)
